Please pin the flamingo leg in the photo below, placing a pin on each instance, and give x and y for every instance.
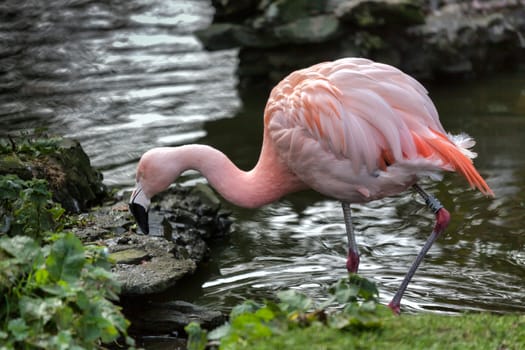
(352, 262)
(442, 220)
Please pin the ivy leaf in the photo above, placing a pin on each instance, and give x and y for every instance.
(292, 300)
(23, 248)
(10, 185)
(367, 289)
(18, 328)
(63, 341)
(350, 289)
(66, 259)
(38, 308)
(344, 292)
(249, 306)
(64, 318)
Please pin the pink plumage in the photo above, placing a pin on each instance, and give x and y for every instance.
(337, 125)
(352, 129)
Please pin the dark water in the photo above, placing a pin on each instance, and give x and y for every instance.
(128, 76)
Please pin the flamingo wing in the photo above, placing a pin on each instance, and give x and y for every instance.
(359, 130)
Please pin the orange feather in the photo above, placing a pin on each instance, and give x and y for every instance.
(451, 155)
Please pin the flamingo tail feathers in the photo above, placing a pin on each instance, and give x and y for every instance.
(453, 156)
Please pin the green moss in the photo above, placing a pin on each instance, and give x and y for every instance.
(62, 162)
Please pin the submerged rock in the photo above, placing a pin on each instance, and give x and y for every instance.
(169, 317)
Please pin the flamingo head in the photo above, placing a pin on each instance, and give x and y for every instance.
(139, 206)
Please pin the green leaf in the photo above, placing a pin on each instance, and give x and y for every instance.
(18, 328)
(41, 277)
(10, 187)
(83, 301)
(38, 308)
(219, 332)
(265, 314)
(57, 289)
(292, 300)
(249, 306)
(367, 289)
(64, 318)
(66, 259)
(354, 287)
(23, 248)
(252, 326)
(197, 338)
(63, 341)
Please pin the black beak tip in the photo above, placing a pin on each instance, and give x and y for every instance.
(141, 215)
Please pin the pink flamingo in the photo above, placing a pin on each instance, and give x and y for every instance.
(351, 129)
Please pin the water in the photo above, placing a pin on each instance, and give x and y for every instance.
(125, 77)
(119, 77)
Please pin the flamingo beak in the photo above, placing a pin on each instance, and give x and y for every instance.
(141, 216)
(138, 206)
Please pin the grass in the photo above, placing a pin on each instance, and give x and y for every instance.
(476, 331)
(295, 321)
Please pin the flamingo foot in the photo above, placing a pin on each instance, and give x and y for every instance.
(352, 262)
(395, 307)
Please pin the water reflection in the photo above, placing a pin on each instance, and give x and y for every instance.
(125, 76)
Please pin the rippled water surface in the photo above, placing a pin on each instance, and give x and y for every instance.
(125, 77)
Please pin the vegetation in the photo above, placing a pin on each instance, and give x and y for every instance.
(251, 323)
(56, 293)
(31, 146)
(295, 322)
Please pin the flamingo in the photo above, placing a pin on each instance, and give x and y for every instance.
(352, 129)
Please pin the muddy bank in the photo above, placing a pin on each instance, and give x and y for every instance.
(427, 39)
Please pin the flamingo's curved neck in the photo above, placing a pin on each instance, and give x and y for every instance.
(268, 181)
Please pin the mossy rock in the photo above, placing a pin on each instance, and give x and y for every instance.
(379, 13)
(62, 162)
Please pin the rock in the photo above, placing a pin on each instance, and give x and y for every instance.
(308, 30)
(152, 264)
(457, 44)
(228, 10)
(190, 209)
(378, 13)
(132, 256)
(221, 36)
(285, 11)
(147, 264)
(169, 317)
(60, 161)
(427, 41)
